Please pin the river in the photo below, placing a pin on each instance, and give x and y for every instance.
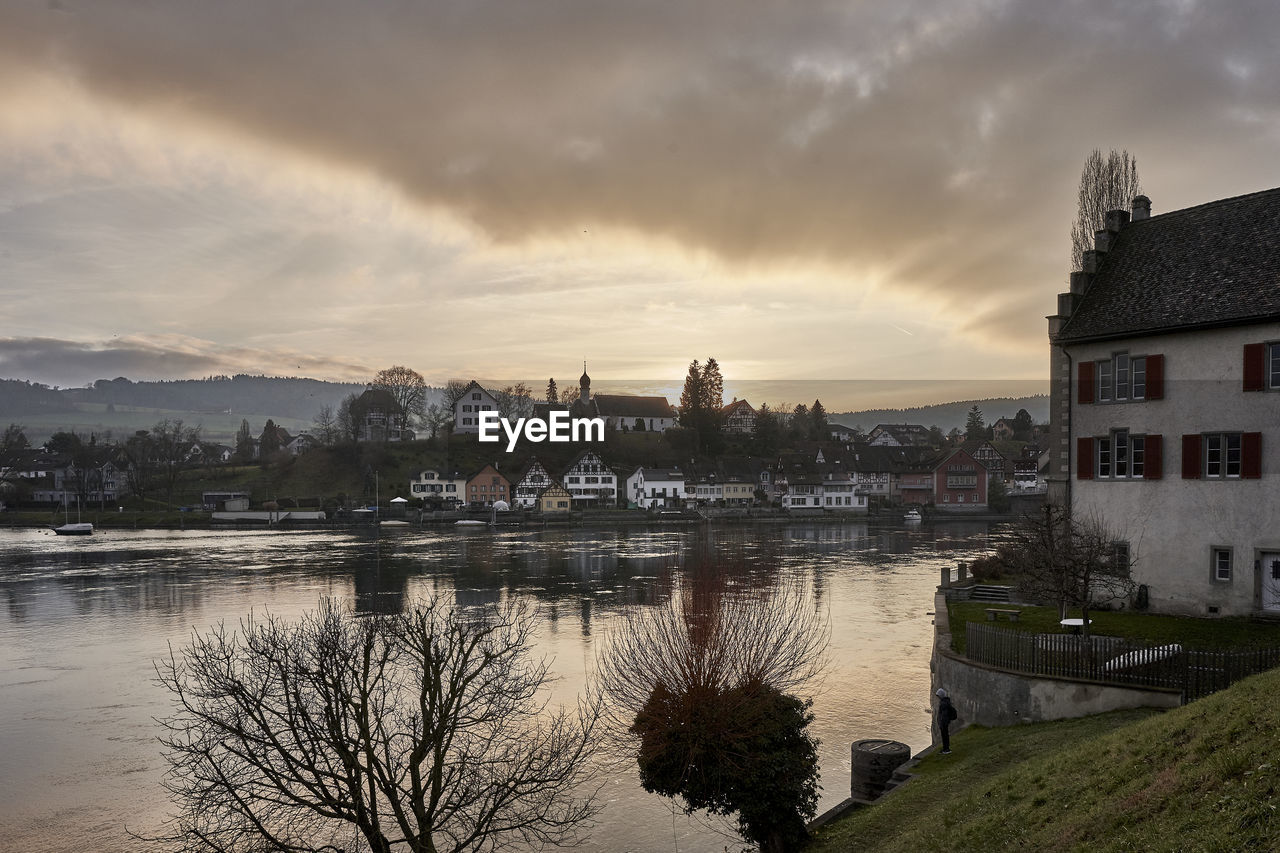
(83, 620)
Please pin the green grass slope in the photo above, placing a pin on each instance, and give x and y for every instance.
(1199, 778)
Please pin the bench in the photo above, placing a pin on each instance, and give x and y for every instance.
(993, 613)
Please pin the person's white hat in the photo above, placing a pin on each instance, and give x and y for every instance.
(941, 692)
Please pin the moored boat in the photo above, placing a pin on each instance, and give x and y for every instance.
(75, 528)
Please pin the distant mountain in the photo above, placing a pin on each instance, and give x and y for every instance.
(121, 405)
(948, 415)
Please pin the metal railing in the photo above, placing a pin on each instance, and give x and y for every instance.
(1116, 660)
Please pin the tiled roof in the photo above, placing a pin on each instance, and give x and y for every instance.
(1213, 265)
(626, 406)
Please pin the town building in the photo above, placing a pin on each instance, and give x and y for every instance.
(530, 483)
(1165, 407)
(377, 416)
(648, 488)
(488, 486)
(439, 486)
(469, 405)
(554, 499)
(899, 435)
(623, 411)
(739, 417)
(590, 481)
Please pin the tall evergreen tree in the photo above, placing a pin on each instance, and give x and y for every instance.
(269, 443)
(800, 422)
(975, 428)
(768, 432)
(818, 422)
(693, 397)
(712, 386)
(553, 396)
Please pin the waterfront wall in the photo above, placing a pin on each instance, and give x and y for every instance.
(989, 696)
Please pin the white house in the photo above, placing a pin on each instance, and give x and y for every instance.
(590, 481)
(438, 485)
(1165, 410)
(656, 487)
(467, 408)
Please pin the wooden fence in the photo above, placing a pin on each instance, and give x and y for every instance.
(1115, 660)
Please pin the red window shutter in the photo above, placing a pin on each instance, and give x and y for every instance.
(1084, 382)
(1153, 468)
(1251, 455)
(1191, 457)
(1155, 377)
(1084, 458)
(1254, 358)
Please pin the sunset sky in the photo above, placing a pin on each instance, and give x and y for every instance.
(813, 190)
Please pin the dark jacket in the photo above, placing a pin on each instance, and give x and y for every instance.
(946, 711)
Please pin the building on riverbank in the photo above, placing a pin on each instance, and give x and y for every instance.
(1165, 410)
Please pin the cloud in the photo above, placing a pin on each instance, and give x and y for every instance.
(924, 152)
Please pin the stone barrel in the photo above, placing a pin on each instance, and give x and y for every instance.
(872, 762)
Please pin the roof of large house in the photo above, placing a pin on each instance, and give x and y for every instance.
(903, 433)
(741, 407)
(624, 405)
(379, 398)
(1217, 264)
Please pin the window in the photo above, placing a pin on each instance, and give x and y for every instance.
(1120, 558)
(1122, 377)
(1221, 564)
(1121, 455)
(1273, 366)
(475, 396)
(1222, 455)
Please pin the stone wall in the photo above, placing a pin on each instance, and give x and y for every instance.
(988, 696)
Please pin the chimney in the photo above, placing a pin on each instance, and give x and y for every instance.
(1116, 220)
(1101, 241)
(1141, 208)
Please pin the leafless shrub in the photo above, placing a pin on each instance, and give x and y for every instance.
(423, 730)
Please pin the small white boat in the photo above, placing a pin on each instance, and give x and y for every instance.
(913, 515)
(470, 522)
(69, 527)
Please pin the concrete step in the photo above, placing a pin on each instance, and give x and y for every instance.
(983, 592)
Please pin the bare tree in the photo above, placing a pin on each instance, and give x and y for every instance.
(348, 419)
(515, 401)
(171, 443)
(1069, 561)
(1109, 183)
(425, 730)
(699, 689)
(406, 386)
(437, 417)
(453, 391)
(326, 425)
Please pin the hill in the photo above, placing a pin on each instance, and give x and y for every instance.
(1201, 777)
(948, 416)
(122, 406)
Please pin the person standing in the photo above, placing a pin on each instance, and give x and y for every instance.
(946, 714)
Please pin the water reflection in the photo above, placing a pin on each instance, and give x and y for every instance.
(83, 621)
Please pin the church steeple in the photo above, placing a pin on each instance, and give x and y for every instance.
(584, 384)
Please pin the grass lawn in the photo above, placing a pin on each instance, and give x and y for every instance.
(1202, 777)
(1189, 631)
